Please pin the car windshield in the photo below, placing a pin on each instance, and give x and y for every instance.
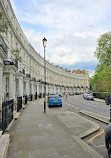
(54, 96)
(90, 94)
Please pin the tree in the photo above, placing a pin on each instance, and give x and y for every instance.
(3, 23)
(103, 69)
(103, 50)
(93, 80)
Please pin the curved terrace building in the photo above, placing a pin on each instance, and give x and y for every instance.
(26, 77)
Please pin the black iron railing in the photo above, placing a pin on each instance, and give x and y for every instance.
(22, 71)
(8, 62)
(36, 95)
(19, 103)
(7, 114)
(34, 79)
(25, 97)
(28, 75)
(31, 97)
(16, 63)
(40, 95)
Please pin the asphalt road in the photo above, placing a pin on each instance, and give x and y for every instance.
(93, 106)
(76, 103)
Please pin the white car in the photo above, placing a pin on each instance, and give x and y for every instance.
(84, 95)
(89, 97)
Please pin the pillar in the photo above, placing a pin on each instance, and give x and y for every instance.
(27, 87)
(21, 86)
(38, 90)
(1, 85)
(11, 86)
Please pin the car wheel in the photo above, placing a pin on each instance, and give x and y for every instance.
(60, 105)
(106, 101)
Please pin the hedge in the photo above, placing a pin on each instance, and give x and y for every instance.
(100, 95)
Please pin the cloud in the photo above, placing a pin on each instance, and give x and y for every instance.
(71, 27)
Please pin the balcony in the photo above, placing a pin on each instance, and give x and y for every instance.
(34, 79)
(22, 71)
(28, 75)
(11, 62)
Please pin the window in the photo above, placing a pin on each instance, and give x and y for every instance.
(16, 45)
(24, 67)
(24, 55)
(20, 52)
(7, 85)
(20, 66)
(7, 34)
(27, 59)
(11, 39)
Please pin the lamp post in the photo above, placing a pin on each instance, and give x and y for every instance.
(44, 45)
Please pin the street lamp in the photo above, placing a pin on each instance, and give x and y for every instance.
(44, 45)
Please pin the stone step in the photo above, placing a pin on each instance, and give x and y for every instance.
(1, 133)
(4, 143)
(16, 116)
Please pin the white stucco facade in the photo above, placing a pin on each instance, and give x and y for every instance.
(27, 77)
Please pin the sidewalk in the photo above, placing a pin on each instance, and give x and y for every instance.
(55, 134)
(99, 100)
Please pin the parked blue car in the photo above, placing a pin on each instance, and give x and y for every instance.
(55, 100)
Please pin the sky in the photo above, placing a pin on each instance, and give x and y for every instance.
(71, 27)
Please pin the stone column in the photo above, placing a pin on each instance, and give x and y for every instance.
(1, 86)
(21, 86)
(27, 87)
(38, 90)
(12, 91)
(32, 88)
(51, 90)
(54, 89)
(42, 89)
(11, 86)
(47, 89)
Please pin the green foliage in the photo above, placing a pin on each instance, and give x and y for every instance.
(3, 23)
(103, 50)
(100, 95)
(16, 53)
(93, 81)
(103, 70)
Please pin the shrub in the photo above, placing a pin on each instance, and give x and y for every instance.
(100, 95)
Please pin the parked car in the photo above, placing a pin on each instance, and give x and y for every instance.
(49, 96)
(71, 93)
(108, 139)
(61, 95)
(108, 99)
(55, 100)
(84, 95)
(89, 97)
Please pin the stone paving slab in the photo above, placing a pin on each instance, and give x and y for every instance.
(1, 133)
(77, 125)
(39, 135)
(4, 142)
(99, 100)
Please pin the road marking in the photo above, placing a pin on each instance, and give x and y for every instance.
(101, 146)
(96, 136)
(76, 107)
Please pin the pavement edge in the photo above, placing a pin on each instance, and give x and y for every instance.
(95, 116)
(87, 148)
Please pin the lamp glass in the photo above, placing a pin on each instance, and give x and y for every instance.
(44, 42)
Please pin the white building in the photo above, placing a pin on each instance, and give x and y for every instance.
(26, 77)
